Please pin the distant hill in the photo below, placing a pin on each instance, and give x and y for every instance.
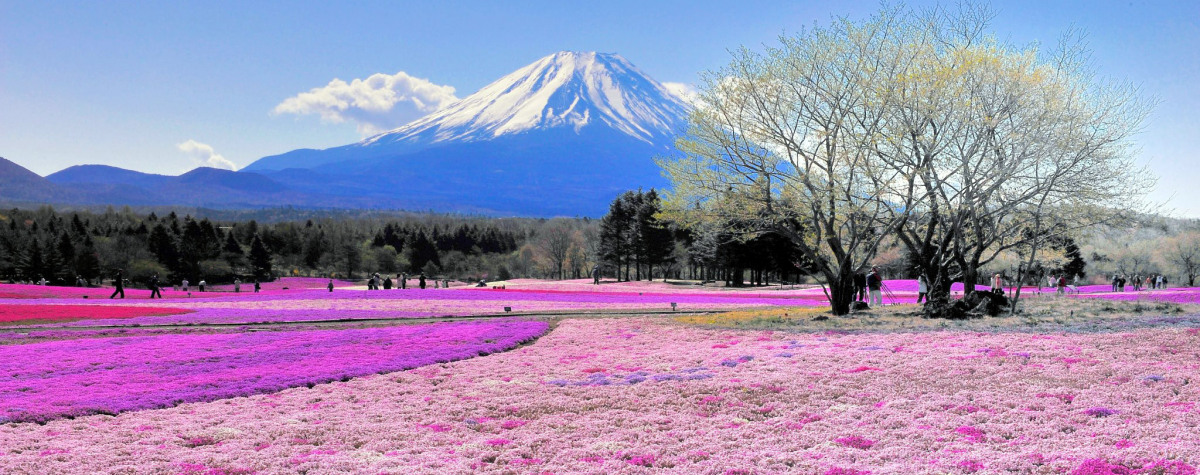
(561, 136)
(19, 184)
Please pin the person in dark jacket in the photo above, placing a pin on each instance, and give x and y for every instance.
(257, 286)
(421, 280)
(875, 286)
(387, 283)
(860, 286)
(154, 290)
(120, 283)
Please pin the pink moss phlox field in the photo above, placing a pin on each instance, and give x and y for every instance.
(936, 402)
(77, 294)
(309, 305)
(36, 313)
(111, 375)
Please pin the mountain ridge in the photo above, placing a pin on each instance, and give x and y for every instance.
(561, 136)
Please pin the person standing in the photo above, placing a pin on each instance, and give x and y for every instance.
(1116, 278)
(403, 281)
(860, 287)
(184, 285)
(596, 275)
(330, 285)
(257, 286)
(421, 281)
(79, 282)
(237, 285)
(120, 283)
(875, 285)
(154, 290)
(1158, 281)
(997, 284)
(387, 283)
(922, 288)
(1062, 284)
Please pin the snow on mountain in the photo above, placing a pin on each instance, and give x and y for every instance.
(565, 89)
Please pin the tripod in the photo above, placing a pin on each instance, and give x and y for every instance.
(888, 293)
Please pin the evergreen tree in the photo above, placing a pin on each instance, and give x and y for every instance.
(33, 265)
(232, 252)
(66, 256)
(615, 247)
(422, 252)
(260, 259)
(163, 245)
(87, 263)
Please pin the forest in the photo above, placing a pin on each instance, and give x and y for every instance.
(634, 241)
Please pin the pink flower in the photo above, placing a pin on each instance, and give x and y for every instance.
(856, 442)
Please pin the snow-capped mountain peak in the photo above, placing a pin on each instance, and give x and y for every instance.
(564, 90)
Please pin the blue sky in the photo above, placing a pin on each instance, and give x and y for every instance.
(165, 86)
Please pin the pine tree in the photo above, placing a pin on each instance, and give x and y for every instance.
(66, 256)
(260, 259)
(232, 252)
(87, 262)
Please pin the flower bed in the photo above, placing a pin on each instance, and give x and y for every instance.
(43, 313)
(309, 305)
(44, 381)
(636, 395)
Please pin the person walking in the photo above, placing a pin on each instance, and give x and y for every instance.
(120, 283)
(421, 281)
(596, 275)
(257, 286)
(875, 286)
(922, 288)
(154, 287)
(1062, 285)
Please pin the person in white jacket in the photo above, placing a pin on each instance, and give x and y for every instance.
(922, 288)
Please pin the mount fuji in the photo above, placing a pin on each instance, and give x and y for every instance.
(562, 136)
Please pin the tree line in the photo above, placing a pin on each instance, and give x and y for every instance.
(63, 247)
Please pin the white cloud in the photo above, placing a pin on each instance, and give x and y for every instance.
(204, 154)
(684, 91)
(378, 103)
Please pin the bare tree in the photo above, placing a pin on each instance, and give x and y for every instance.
(554, 241)
(781, 142)
(910, 124)
(1183, 252)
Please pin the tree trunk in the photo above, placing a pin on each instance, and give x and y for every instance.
(970, 278)
(841, 293)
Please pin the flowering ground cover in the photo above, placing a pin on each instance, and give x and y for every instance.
(638, 395)
(311, 305)
(42, 313)
(112, 375)
(28, 291)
